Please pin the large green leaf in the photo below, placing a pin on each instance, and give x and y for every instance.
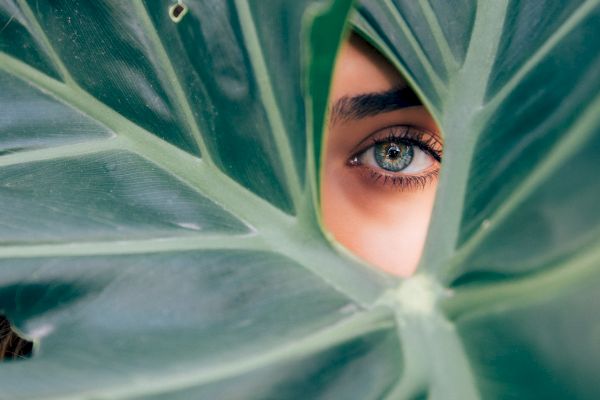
(514, 85)
(158, 180)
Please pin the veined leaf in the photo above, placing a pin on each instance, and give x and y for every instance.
(159, 232)
(514, 86)
(158, 228)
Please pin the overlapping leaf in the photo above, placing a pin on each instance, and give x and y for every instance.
(515, 233)
(157, 226)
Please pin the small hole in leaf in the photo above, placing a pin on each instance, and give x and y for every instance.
(177, 12)
(12, 346)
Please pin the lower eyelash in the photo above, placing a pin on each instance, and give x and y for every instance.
(401, 182)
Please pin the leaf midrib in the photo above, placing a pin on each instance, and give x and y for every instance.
(460, 120)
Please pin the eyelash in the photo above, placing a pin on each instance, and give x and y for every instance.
(409, 136)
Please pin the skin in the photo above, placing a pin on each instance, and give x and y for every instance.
(383, 224)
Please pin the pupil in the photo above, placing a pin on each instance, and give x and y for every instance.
(393, 152)
(393, 157)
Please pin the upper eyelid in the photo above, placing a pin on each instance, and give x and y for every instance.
(361, 146)
(433, 153)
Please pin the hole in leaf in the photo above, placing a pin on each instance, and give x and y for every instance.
(177, 11)
(381, 161)
(12, 346)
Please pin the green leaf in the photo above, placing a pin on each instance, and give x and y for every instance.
(515, 230)
(159, 230)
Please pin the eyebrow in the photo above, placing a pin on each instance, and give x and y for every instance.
(370, 104)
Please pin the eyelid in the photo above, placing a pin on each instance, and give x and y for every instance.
(426, 140)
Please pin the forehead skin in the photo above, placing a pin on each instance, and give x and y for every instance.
(368, 69)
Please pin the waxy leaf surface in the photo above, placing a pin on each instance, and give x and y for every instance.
(159, 229)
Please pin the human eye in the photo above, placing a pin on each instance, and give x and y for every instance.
(401, 157)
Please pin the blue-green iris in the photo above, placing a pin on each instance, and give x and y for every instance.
(393, 157)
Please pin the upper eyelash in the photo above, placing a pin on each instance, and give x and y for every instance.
(425, 141)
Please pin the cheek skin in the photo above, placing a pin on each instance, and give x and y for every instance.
(382, 225)
(385, 230)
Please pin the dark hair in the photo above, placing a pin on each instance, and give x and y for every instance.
(11, 345)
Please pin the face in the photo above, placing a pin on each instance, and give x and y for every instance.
(382, 159)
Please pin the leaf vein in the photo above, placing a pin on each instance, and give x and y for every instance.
(267, 94)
